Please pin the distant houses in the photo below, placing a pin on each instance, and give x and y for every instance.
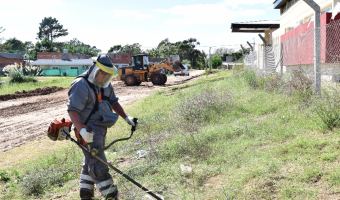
(62, 64)
(9, 59)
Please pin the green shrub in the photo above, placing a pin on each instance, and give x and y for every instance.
(18, 77)
(300, 83)
(4, 176)
(251, 78)
(328, 108)
(32, 71)
(274, 83)
(204, 106)
(216, 61)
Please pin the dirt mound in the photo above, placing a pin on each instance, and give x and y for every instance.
(36, 92)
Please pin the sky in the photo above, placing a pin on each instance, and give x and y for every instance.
(105, 23)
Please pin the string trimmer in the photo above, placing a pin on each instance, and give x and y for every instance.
(94, 152)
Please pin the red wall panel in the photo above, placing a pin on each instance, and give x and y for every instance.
(298, 44)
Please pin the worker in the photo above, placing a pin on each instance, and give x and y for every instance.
(91, 101)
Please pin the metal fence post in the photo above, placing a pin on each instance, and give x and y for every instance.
(317, 45)
(281, 58)
(265, 54)
(251, 47)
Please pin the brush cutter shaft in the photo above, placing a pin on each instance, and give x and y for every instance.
(95, 153)
(129, 178)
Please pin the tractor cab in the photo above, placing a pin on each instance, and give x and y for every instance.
(140, 62)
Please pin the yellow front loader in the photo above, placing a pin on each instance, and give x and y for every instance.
(142, 71)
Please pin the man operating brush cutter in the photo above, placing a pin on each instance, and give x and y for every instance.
(91, 103)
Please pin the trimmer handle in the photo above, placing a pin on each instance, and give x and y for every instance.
(135, 120)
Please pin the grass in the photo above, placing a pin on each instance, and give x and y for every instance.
(241, 142)
(11, 88)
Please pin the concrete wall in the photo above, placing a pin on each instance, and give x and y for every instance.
(329, 71)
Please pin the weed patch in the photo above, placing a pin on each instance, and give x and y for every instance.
(4, 176)
(35, 182)
(328, 108)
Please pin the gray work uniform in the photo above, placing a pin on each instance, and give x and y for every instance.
(82, 100)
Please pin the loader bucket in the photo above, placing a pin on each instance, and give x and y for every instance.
(177, 66)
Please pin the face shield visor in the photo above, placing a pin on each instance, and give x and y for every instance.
(100, 78)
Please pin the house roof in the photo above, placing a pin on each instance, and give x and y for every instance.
(279, 3)
(255, 26)
(11, 55)
(75, 62)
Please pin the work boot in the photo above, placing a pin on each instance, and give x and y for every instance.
(86, 195)
(113, 195)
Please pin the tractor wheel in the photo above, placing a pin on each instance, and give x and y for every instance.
(165, 78)
(157, 79)
(130, 80)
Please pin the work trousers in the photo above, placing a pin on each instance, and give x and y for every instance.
(94, 171)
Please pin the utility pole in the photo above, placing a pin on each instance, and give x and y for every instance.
(317, 44)
(210, 59)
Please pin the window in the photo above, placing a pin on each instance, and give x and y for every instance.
(73, 67)
(116, 56)
(54, 67)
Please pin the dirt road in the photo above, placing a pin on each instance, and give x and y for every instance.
(27, 119)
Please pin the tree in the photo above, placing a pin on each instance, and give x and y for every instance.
(133, 48)
(76, 46)
(51, 29)
(17, 46)
(115, 49)
(2, 30)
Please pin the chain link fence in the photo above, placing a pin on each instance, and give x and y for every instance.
(296, 51)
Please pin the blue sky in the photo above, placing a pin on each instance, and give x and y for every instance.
(104, 23)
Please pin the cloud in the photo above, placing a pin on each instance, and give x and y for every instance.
(218, 13)
(252, 12)
(246, 2)
(131, 13)
(30, 3)
(161, 11)
(143, 16)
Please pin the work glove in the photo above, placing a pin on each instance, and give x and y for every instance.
(87, 136)
(129, 120)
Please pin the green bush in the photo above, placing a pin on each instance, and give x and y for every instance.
(32, 71)
(4, 176)
(253, 79)
(301, 84)
(216, 61)
(18, 77)
(328, 108)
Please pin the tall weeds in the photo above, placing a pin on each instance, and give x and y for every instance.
(328, 107)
